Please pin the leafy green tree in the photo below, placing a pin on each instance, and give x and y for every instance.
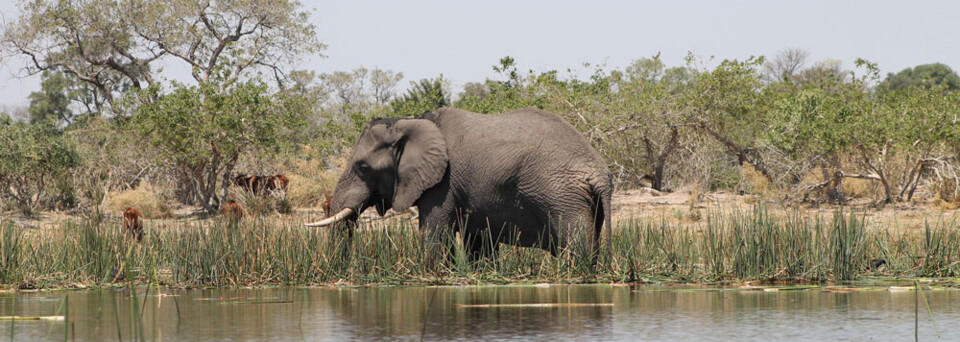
(649, 118)
(202, 131)
(917, 126)
(52, 101)
(813, 127)
(629, 115)
(926, 75)
(514, 91)
(422, 97)
(726, 104)
(34, 157)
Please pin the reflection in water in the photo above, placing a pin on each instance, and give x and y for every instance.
(390, 313)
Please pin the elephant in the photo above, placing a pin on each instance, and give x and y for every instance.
(525, 177)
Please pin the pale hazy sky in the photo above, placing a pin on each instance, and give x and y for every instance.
(463, 39)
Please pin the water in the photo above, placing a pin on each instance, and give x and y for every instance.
(398, 313)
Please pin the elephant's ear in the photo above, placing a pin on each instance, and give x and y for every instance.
(423, 160)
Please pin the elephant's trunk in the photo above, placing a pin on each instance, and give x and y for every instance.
(332, 219)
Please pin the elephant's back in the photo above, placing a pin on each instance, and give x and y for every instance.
(550, 138)
(525, 144)
(529, 129)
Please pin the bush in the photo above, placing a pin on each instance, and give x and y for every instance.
(754, 182)
(311, 181)
(946, 194)
(310, 192)
(859, 188)
(32, 161)
(146, 198)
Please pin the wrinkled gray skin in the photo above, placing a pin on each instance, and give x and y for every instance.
(525, 178)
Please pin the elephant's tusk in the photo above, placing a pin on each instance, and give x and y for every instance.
(332, 219)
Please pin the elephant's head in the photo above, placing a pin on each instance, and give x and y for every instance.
(393, 163)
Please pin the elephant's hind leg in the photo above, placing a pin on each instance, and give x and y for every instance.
(577, 236)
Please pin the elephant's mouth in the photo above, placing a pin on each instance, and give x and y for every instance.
(350, 214)
(380, 203)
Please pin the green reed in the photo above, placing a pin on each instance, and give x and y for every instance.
(742, 245)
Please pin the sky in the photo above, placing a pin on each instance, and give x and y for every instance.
(463, 39)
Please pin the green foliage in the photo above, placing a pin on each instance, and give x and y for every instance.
(422, 97)
(204, 130)
(33, 159)
(926, 75)
(52, 101)
(810, 122)
(514, 92)
(727, 98)
(738, 246)
(112, 45)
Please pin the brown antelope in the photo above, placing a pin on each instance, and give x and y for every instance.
(133, 223)
(232, 211)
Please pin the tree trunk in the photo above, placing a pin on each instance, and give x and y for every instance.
(743, 154)
(877, 168)
(658, 161)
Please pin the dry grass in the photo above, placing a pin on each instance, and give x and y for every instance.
(859, 188)
(309, 191)
(946, 196)
(754, 181)
(852, 188)
(694, 203)
(311, 181)
(146, 198)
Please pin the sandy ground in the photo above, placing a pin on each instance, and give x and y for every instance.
(642, 204)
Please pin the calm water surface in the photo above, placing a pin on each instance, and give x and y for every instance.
(438, 313)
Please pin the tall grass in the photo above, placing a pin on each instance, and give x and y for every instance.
(748, 245)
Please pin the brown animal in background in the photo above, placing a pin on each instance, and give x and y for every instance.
(242, 181)
(277, 182)
(254, 184)
(132, 222)
(326, 207)
(232, 210)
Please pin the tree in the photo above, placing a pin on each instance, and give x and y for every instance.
(62, 97)
(382, 83)
(476, 90)
(814, 126)
(112, 45)
(515, 91)
(786, 65)
(52, 101)
(827, 72)
(34, 157)
(726, 104)
(926, 75)
(222, 126)
(646, 106)
(358, 91)
(422, 97)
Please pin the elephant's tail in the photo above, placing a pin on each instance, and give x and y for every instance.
(603, 197)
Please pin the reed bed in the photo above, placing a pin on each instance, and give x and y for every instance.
(725, 247)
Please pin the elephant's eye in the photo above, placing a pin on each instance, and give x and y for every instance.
(363, 167)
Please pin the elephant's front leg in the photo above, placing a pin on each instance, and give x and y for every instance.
(437, 234)
(480, 244)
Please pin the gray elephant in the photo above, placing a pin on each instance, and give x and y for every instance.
(525, 178)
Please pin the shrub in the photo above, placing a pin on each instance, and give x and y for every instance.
(32, 160)
(146, 198)
(754, 182)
